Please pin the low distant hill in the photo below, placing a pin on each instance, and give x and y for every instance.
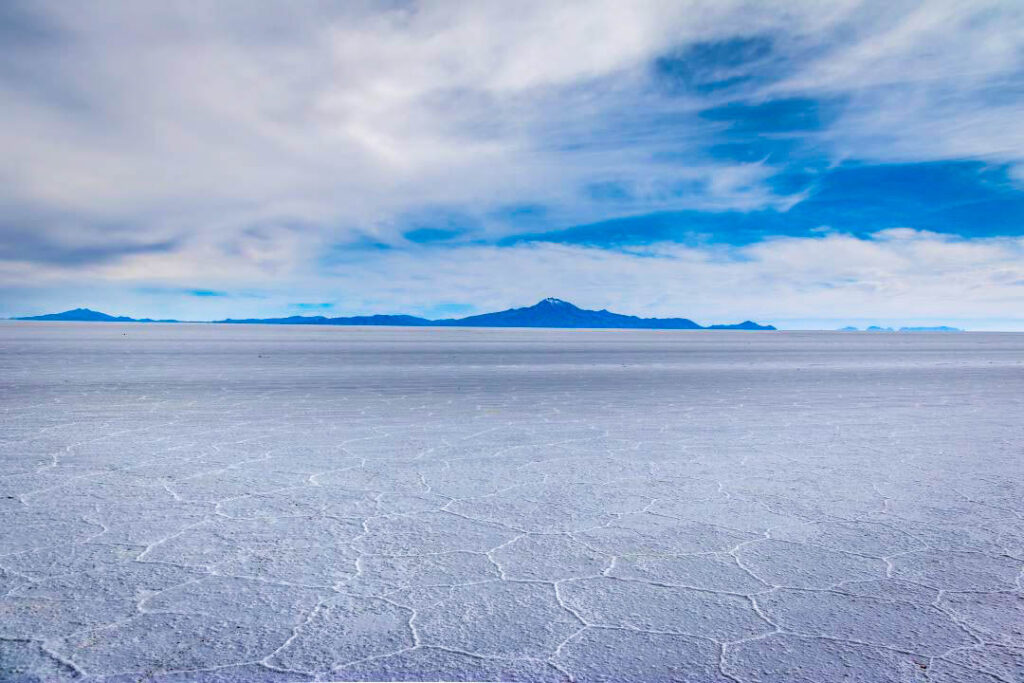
(937, 328)
(876, 328)
(558, 313)
(553, 313)
(745, 325)
(392, 320)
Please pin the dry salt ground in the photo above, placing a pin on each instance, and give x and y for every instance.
(259, 503)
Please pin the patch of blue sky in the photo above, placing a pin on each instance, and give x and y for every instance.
(187, 291)
(790, 115)
(352, 249)
(964, 198)
(436, 224)
(520, 212)
(613, 191)
(709, 67)
(426, 235)
(449, 309)
(759, 149)
(319, 306)
(439, 226)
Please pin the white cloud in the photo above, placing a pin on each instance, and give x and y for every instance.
(922, 81)
(344, 115)
(236, 141)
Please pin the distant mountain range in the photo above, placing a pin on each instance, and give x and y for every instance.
(876, 328)
(547, 313)
(90, 316)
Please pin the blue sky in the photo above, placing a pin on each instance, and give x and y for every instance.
(807, 164)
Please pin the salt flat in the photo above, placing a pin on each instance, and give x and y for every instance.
(249, 503)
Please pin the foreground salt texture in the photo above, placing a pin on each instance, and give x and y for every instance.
(258, 503)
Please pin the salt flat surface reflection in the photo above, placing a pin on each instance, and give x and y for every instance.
(229, 503)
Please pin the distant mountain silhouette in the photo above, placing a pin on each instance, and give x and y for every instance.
(745, 325)
(935, 328)
(558, 313)
(550, 312)
(90, 316)
(553, 313)
(876, 328)
(391, 320)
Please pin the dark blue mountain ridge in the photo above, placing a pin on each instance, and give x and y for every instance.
(90, 316)
(562, 314)
(552, 313)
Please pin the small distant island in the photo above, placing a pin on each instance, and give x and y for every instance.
(876, 328)
(552, 313)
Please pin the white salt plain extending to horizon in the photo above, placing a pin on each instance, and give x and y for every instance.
(260, 503)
